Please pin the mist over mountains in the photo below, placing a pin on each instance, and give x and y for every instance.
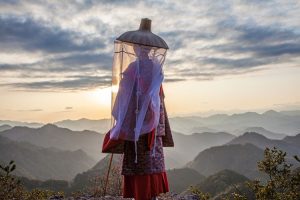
(275, 124)
(239, 158)
(188, 146)
(40, 163)
(282, 123)
(5, 127)
(207, 149)
(51, 135)
(291, 148)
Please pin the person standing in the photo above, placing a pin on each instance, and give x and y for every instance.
(140, 125)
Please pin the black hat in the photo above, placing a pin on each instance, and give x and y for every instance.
(143, 36)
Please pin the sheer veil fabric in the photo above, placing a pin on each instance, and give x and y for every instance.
(137, 77)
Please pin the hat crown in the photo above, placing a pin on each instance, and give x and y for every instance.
(145, 24)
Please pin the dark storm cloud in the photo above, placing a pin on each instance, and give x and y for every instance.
(32, 35)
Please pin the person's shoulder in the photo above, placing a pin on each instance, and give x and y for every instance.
(131, 68)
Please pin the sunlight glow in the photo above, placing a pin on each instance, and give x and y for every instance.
(114, 88)
(101, 96)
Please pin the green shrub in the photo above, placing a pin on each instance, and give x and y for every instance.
(11, 187)
(283, 183)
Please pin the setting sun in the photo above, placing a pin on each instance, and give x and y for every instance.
(101, 97)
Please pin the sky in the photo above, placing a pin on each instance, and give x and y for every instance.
(224, 57)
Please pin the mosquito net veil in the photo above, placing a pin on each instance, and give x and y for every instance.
(137, 75)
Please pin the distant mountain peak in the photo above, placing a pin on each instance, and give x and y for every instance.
(241, 158)
(265, 132)
(247, 114)
(5, 127)
(220, 133)
(226, 173)
(49, 125)
(252, 134)
(255, 127)
(271, 112)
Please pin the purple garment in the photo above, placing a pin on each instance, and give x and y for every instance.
(137, 101)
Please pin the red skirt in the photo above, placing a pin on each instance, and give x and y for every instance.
(144, 187)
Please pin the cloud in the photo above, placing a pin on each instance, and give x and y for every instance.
(30, 110)
(71, 63)
(80, 82)
(73, 41)
(32, 35)
(9, 2)
(228, 63)
(174, 79)
(261, 41)
(98, 60)
(72, 53)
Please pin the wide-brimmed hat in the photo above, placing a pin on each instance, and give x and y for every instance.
(143, 36)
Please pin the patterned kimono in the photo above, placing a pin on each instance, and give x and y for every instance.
(147, 178)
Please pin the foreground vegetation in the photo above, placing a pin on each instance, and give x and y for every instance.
(283, 183)
(11, 187)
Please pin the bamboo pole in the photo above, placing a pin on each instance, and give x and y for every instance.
(107, 175)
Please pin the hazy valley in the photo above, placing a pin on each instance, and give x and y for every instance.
(207, 150)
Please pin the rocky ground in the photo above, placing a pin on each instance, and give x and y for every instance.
(169, 196)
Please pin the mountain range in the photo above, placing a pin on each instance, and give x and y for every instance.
(284, 122)
(281, 123)
(219, 170)
(51, 135)
(236, 157)
(188, 146)
(40, 163)
(291, 147)
(180, 179)
(101, 125)
(70, 149)
(242, 153)
(223, 183)
(5, 127)
(261, 131)
(294, 140)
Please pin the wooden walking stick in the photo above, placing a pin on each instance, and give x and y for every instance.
(107, 175)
